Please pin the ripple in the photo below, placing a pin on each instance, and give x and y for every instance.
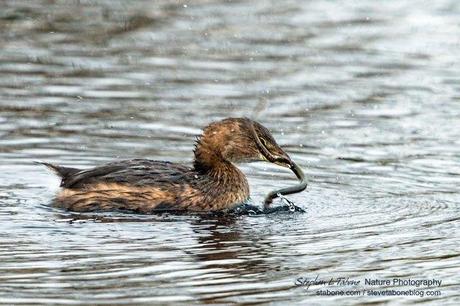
(363, 97)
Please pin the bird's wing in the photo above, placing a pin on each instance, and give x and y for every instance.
(135, 172)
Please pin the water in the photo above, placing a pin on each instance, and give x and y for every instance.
(364, 96)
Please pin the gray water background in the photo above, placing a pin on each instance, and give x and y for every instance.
(364, 95)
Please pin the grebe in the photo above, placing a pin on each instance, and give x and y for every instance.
(212, 183)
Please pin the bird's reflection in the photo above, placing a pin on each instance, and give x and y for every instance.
(226, 246)
(226, 243)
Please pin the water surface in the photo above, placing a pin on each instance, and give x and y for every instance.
(365, 96)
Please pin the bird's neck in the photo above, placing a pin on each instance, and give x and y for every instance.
(230, 183)
(209, 160)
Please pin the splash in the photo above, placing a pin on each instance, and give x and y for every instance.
(250, 209)
(287, 202)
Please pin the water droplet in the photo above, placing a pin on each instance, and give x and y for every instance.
(287, 202)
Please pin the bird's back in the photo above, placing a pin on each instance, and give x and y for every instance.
(134, 172)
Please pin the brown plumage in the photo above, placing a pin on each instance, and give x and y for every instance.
(212, 183)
